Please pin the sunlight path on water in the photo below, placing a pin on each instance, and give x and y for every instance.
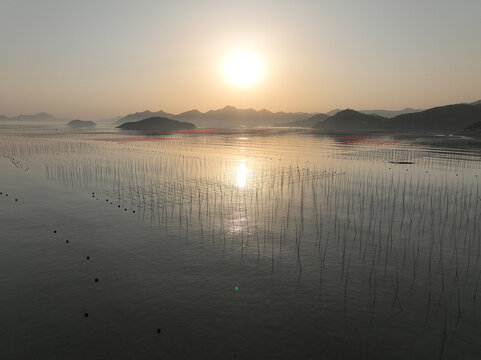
(373, 242)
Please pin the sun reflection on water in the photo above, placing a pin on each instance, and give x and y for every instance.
(242, 172)
(238, 223)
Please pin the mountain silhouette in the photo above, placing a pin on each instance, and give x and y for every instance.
(228, 116)
(444, 119)
(310, 122)
(43, 116)
(380, 112)
(390, 113)
(352, 120)
(143, 115)
(80, 124)
(333, 112)
(158, 124)
(449, 119)
(190, 115)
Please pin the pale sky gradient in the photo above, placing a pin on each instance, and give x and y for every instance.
(98, 59)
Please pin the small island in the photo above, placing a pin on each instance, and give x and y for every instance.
(157, 124)
(81, 124)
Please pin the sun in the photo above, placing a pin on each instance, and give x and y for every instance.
(243, 69)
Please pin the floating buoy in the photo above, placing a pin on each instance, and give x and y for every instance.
(86, 314)
(55, 231)
(158, 330)
(66, 241)
(88, 257)
(96, 280)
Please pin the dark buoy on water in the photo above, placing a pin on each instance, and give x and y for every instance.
(158, 330)
(402, 162)
(86, 314)
(16, 199)
(133, 211)
(55, 231)
(88, 257)
(96, 280)
(66, 241)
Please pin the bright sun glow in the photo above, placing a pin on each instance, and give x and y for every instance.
(242, 172)
(243, 69)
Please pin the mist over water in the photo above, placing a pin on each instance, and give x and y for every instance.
(240, 244)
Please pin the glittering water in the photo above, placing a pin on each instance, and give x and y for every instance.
(241, 244)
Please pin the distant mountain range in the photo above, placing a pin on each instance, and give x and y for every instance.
(143, 115)
(449, 118)
(36, 117)
(230, 116)
(351, 120)
(308, 123)
(226, 117)
(380, 112)
(457, 118)
(443, 119)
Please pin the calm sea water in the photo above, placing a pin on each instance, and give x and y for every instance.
(243, 244)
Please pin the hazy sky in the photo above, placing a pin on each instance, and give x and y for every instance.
(98, 59)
